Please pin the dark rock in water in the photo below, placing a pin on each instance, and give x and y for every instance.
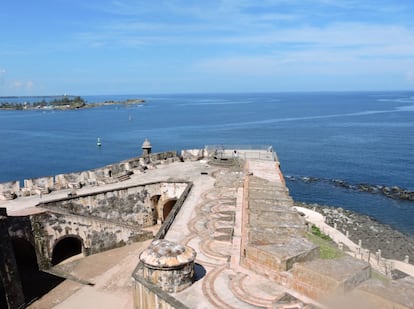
(340, 183)
(394, 192)
(309, 179)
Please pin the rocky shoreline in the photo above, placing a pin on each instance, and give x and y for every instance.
(394, 192)
(373, 234)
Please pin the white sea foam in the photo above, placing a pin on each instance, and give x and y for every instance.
(406, 108)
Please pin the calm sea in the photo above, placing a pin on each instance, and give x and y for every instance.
(359, 137)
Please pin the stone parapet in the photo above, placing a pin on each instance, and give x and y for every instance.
(320, 278)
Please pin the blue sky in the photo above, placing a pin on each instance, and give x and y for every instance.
(176, 46)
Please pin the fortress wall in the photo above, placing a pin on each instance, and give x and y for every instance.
(63, 181)
(13, 296)
(129, 205)
(97, 235)
(160, 156)
(37, 185)
(10, 186)
(192, 154)
(21, 227)
(109, 173)
(8, 190)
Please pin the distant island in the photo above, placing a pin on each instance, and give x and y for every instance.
(63, 103)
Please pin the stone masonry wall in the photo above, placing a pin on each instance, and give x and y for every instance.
(97, 235)
(130, 205)
(9, 189)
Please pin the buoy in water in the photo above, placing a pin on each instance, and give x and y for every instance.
(99, 143)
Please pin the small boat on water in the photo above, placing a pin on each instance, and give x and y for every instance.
(99, 143)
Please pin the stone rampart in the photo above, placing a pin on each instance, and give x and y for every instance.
(97, 235)
(103, 219)
(9, 190)
(38, 185)
(133, 205)
(106, 174)
(192, 154)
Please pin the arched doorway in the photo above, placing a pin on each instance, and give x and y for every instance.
(66, 248)
(35, 283)
(167, 208)
(154, 207)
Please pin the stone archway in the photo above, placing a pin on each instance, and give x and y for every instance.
(65, 248)
(168, 206)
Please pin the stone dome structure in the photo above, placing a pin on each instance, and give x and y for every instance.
(146, 147)
(169, 265)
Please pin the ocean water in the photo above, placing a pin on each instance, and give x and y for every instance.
(359, 137)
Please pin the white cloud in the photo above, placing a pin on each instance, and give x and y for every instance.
(22, 85)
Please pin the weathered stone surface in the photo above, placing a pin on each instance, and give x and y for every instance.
(192, 154)
(396, 294)
(168, 265)
(320, 278)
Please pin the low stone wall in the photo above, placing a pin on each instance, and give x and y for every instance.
(192, 154)
(39, 185)
(9, 190)
(106, 174)
(157, 158)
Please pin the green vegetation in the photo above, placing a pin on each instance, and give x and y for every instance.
(377, 275)
(328, 249)
(65, 102)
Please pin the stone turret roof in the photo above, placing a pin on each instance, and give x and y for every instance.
(167, 254)
(146, 144)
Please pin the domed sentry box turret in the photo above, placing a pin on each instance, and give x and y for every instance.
(168, 265)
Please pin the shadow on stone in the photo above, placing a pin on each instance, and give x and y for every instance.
(199, 272)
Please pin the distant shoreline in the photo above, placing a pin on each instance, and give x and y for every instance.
(61, 103)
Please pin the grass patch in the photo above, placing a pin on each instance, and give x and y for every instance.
(377, 275)
(327, 248)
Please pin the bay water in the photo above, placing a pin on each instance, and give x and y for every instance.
(357, 137)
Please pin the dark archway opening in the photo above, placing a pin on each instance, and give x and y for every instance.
(66, 248)
(35, 283)
(167, 208)
(154, 207)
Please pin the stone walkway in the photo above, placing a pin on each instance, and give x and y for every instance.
(214, 231)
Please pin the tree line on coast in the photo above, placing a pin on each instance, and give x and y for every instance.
(63, 103)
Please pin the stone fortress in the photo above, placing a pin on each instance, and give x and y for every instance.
(214, 228)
